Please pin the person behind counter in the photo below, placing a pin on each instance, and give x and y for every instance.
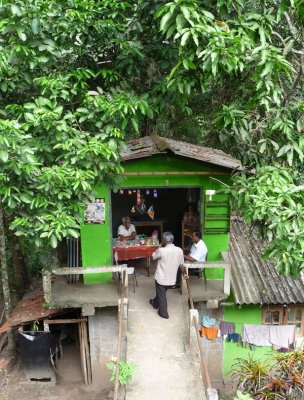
(126, 231)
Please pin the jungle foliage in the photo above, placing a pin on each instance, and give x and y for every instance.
(243, 61)
(80, 76)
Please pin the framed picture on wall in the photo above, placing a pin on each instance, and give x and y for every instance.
(95, 212)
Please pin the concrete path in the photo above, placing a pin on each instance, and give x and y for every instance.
(165, 366)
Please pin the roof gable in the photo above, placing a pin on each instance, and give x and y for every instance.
(154, 144)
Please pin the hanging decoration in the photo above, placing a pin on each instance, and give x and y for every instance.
(134, 191)
(155, 193)
(121, 191)
(129, 192)
(138, 196)
(147, 192)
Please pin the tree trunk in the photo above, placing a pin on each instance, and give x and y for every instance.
(4, 278)
(20, 267)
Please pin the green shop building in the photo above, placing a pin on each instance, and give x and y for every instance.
(176, 179)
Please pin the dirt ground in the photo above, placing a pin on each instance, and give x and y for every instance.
(69, 385)
(15, 386)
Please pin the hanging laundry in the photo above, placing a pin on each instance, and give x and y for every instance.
(210, 333)
(227, 327)
(299, 342)
(282, 335)
(208, 321)
(233, 337)
(256, 334)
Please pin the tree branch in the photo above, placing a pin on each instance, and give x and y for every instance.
(292, 28)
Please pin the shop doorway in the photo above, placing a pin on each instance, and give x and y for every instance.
(171, 205)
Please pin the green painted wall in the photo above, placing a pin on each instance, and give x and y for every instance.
(247, 314)
(96, 243)
(96, 239)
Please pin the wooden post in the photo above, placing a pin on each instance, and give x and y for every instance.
(5, 280)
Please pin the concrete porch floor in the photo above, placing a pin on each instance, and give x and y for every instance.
(65, 295)
(212, 290)
(87, 297)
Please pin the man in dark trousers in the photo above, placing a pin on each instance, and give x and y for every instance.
(169, 259)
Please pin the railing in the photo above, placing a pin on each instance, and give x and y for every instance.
(211, 393)
(124, 276)
(47, 273)
(225, 265)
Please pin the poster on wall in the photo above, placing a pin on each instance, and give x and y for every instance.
(95, 212)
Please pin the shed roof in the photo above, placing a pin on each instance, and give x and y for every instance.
(30, 308)
(154, 144)
(255, 280)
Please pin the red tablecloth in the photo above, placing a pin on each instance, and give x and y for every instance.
(130, 253)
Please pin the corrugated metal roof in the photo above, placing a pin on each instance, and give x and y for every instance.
(151, 145)
(29, 308)
(255, 280)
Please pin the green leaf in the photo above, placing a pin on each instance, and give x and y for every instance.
(35, 26)
(73, 233)
(180, 22)
(21, 35)
(25, 199)
(43, 59)
(208, 14)
(3, 86)
(3, 155)
(186, 12)
(170, 31)
(164, 21)
(185, 38)
(262, 36)
(53, 241)
(15, 9)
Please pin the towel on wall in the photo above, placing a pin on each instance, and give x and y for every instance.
(208, 321)
(210, 333)
(256, 334)
(282, 335)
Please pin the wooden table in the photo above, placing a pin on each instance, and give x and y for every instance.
(134, 252)
(151, 223)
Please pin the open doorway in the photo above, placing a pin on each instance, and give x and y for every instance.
(71, 348)
(171, 205)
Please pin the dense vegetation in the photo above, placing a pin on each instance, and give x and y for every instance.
(80, 76)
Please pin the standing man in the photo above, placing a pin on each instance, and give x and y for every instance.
(126, 231)
(169, 259)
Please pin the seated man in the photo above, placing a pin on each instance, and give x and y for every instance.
(126, 231)
(198, 251)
